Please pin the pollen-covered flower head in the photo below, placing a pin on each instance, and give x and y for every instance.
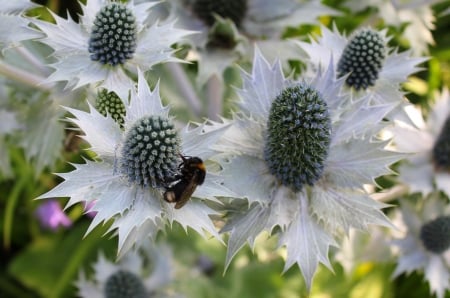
(424, 241)
(136, 163)
(427, 168)
(111, 38)
(146, 272)
(365, 60)
(300, 159)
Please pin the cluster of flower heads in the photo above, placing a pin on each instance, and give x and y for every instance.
(295, 159)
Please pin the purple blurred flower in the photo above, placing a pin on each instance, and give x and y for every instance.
(51, 216)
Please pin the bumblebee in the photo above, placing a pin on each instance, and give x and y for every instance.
(192, 173)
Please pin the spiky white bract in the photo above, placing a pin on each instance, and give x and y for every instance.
(262, 24)
(151, 263)
(308, 219)
(361, 248)
(413, 256)
(14, 27)
(396, 68)
(137, 210)
(70, 42)
(418, 136)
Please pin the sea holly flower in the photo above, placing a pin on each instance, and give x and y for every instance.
(369, 65)
(111, 39)
(51, 215)
(14, 26)
(428, 167)
(142, 273)
(424, 241)
(248, 22)
(134, 164)
(301, 160)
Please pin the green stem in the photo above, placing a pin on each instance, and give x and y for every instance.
(11, 204)
(75, 261)
(185, 87)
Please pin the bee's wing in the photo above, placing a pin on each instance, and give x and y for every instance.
(186, 194)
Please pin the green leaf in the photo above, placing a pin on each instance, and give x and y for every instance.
(50, 265)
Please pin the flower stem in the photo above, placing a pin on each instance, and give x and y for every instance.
(185, 86)
(214, 93)
(11, 204)
(391, 194)
(33, 60)
(22, 76)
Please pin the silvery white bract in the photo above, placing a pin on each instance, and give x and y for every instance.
(427, 168)
(307, 217)
(14, 27)
(414, 227)
(137, 208)
(77, 46)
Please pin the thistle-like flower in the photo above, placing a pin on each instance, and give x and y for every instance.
(111, 39)
(428, 167)
(134, 165)
(425, 241)
(141, 273)
(365, 60)
(300, 159)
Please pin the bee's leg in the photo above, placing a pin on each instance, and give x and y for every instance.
(173, 178)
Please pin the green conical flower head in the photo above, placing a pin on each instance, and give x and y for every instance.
(113, 36)
(298, 136)
(435, 234)
(362, 59)
(124, 284)
(441, 149)
(109, 103)
(150, 152)
(231, 9)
